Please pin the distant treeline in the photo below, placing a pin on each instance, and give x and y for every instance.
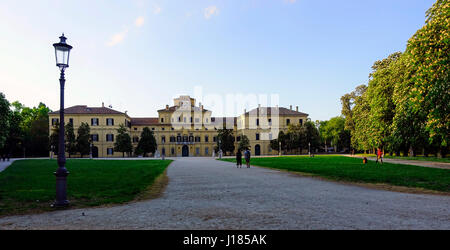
(23, 130)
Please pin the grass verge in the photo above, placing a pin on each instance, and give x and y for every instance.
(28, 186)
(349, 169)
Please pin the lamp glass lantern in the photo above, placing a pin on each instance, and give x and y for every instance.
(62, 52)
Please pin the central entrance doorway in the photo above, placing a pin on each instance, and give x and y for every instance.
(258, 150)
(94, 152)
(185, 151)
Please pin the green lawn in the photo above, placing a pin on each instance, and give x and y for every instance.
(417, 158)
(352, 169)
(29, 185)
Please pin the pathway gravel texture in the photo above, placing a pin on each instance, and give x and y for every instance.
(5, 164)
(207, 194)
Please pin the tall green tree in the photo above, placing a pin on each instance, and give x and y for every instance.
(333, 132)
(123, 141)
(15, 136)
(311, 135)
(244, 143)
(275, 143)
(83, 144)
(225, 138)
(5, 115)
(71, 142)
(54, 138)
(147, 143)
(379, 98)
(429, 51)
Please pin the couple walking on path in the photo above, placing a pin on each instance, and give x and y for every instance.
(239, 158)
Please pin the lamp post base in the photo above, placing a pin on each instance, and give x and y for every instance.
(61, 204)
(61, 188)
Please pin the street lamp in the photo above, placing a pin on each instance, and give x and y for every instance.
(90, 149)
(62, 52)
(309, 148)
(279, 149)
(220, 150)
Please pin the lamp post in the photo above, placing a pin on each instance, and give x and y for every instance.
(52, 150)
(220, 150)
(62, 51)
(279, 149)
(90, 149)
(309, 148)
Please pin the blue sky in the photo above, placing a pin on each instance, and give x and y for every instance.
(136, 55)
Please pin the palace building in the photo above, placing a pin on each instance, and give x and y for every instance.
(183, 129)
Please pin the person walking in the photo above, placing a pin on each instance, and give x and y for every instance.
(239, 159)
(247, 158)
(379, 156)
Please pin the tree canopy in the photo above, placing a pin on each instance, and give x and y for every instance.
(147, 143)
(123, 141)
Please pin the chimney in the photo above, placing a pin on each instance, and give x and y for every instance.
(291, 107)
(245, 111)
(259, 106)
(167, 107)
(297, 108)
(103, 104)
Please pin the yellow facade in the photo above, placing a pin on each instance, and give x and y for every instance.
(185, 129)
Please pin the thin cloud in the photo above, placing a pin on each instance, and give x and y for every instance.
(117, 38)
(139, 21)
(290, 1)
(157, 9)
(211, 11)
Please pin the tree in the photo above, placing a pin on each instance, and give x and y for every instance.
(360, 137)
(71, 142)
(429, 50)
(5, 114)
(244, 143)
(275, 144)
(147, 143)
(14, 142)
(83, 144)
(333, 131)
(54, 138)
(225, 140)
(39, 132)
(379, 98)
(311, 135)
(123, 141)
(296, 137)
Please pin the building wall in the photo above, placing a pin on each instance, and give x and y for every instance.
(246, 124)
(102, 130)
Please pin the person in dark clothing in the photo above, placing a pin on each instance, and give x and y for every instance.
(247, 158)
(239, 159)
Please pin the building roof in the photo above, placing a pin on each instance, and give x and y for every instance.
(281, 111)
(83, 109)
(175, 108)
(144, 121)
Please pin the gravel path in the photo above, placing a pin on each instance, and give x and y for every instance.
(5, 164)
(206, 194)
